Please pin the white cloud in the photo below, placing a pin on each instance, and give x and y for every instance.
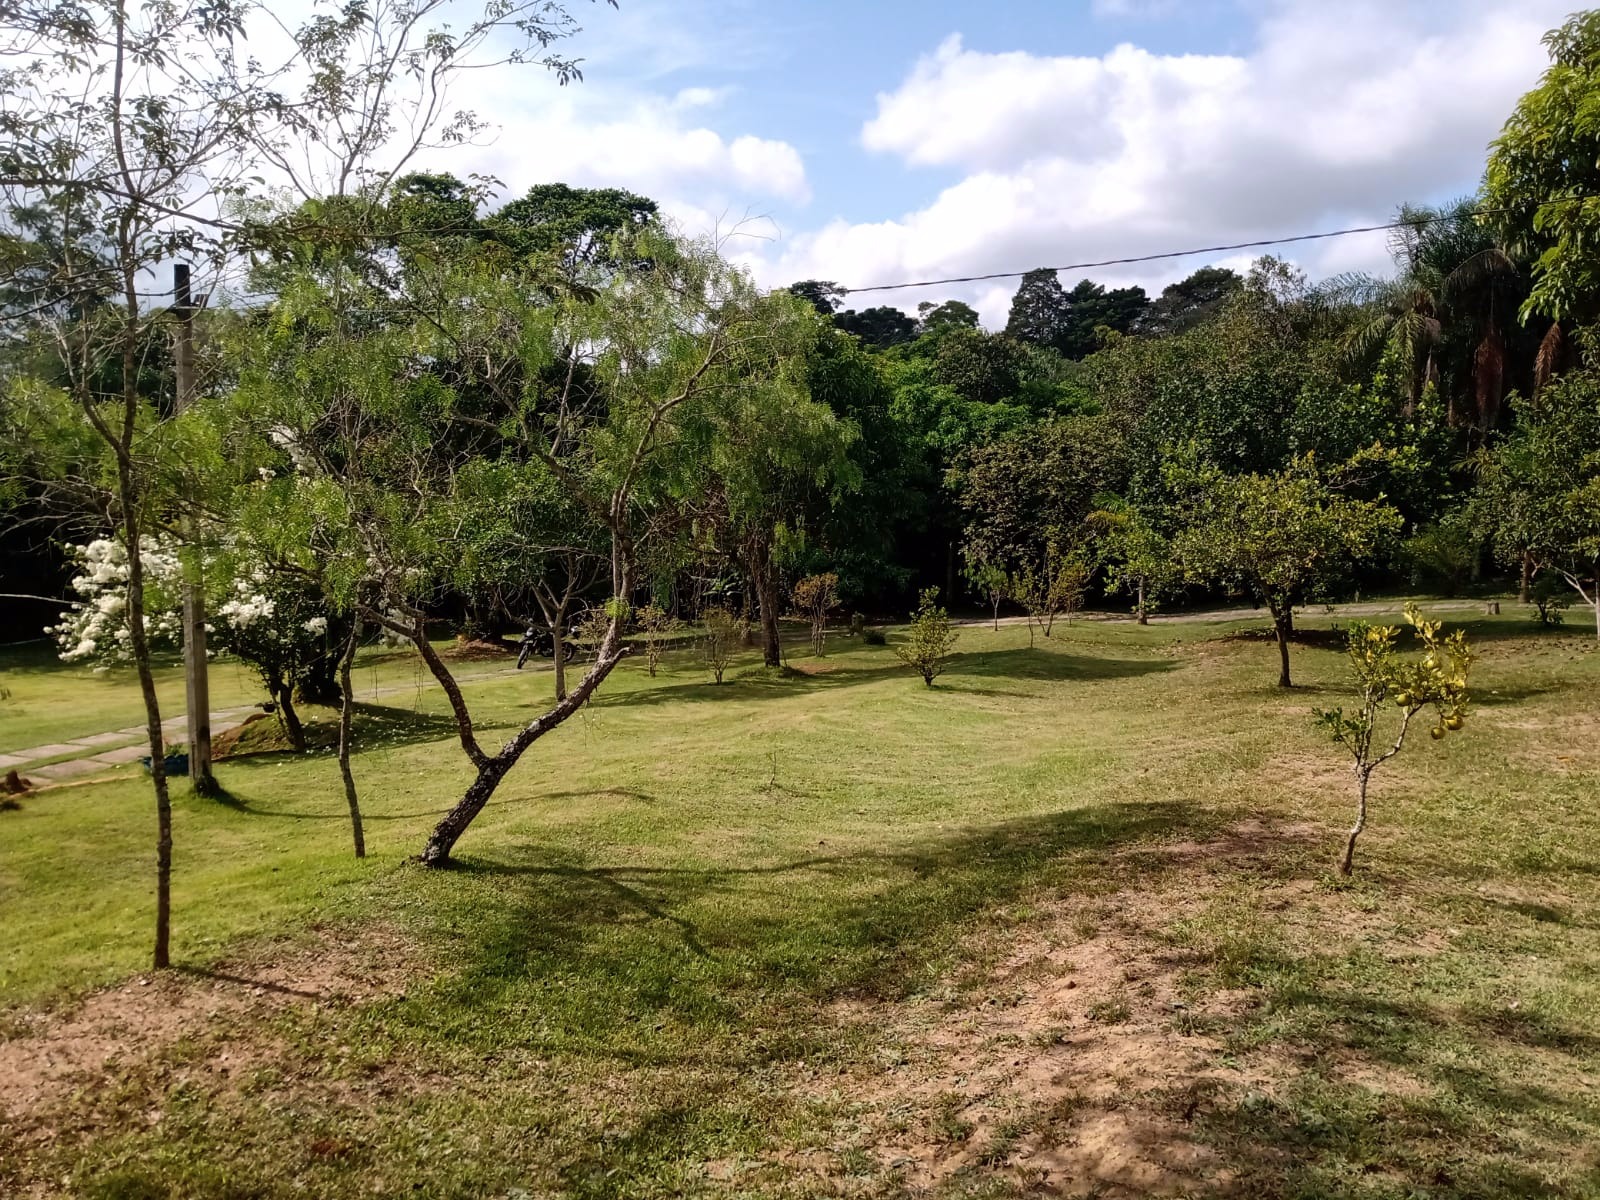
(649, 144)
(1335, 116)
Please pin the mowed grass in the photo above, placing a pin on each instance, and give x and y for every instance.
(685, 944)
(50, 701)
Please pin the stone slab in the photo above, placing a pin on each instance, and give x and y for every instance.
(103, 739)
(7, 761)
(66, 770)
(125, 754)
(54, 750)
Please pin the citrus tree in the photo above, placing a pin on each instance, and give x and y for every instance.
(1393, 689)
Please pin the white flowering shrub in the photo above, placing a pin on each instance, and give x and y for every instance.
(96, 627)
(276, 624)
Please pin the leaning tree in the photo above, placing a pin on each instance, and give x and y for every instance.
(384, 437)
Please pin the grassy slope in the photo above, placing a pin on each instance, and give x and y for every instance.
(634, 972)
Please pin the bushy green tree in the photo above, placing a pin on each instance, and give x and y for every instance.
(1543, 174)
(1137, 558)
(928, 640)
(1281, 539)
(1540, 488)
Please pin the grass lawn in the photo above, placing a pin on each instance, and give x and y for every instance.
(52, 701)
(1064, 924)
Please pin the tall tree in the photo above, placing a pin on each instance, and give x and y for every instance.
(1543, 175)
(1191, 301)
(882, 327)
(1038, 310)
(143, 127)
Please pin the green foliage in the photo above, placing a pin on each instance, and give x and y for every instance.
(1035, 486)
(1540, 487)
(1138, 559)
(1443, 556)
(1052, 586)
(880, 327)
(1074, 323)
(990, 578)
(1191, 301)
(952, 314)
(582, 225)
(656, 626)
(1551, 597)
(1544, 169)
(1282, 538)
(1384, 678)
(929, 639)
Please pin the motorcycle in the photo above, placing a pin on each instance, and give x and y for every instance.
(539, 641)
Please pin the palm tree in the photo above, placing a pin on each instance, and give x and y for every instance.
(1450, 313)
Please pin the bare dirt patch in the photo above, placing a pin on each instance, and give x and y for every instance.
(48, 1057)
(1078, 1060)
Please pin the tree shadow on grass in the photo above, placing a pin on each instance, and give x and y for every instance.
(699, 946)
(1046, 663)
(373, 726)
(1043, 663)
(1463, 1126)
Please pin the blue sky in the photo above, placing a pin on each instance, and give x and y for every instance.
(878, 140)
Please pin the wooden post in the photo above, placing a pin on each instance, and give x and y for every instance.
(196, 675)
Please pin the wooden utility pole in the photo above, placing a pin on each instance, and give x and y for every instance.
(196, 677)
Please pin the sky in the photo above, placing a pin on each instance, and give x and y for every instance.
(875, 141)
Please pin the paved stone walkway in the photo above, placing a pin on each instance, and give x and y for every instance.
(117, 747)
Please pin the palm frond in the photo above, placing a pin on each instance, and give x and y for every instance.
(1551, 359)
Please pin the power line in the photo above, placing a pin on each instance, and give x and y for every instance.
(1165, 254)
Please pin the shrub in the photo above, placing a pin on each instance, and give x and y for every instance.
(815, 596)
(723, 632)
(1550, 595)
(657, 625)
(1443, 557)
(929, 639)
(873, 637)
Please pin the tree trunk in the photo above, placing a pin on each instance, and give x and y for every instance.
(558, 647)
(347, 703)
(760, 567)
(445, 835)
(140, 646)
(1284, 626)
(1346, 865)
(1144, 616)
(291, 720)
(121, 443)
(491, 770)
(1525, 589)
(995, 602)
